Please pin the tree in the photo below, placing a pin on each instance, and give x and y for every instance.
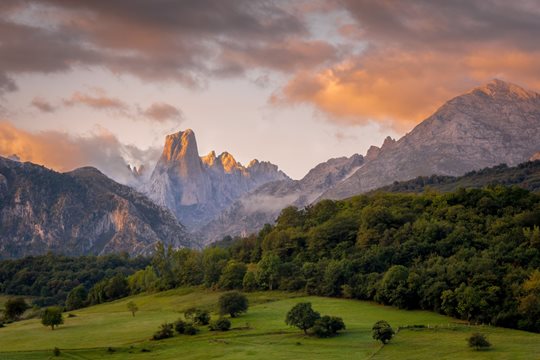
(132, 307)
(328, 326)
(382, 331)
(52, 316)
(268, 271)
(14, 308)
(233, 275)
(302, 316)
(233, 303)
(478, 341)
(76, 298)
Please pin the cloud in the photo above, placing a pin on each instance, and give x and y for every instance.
(417, 55)
(100, 101)
(63, 152)
(43, 105)
(162, 112)
(173, 41)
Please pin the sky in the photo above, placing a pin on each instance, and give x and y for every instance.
(101, 83)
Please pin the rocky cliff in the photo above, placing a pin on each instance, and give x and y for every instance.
(493, 124)
(77, 213)
(197, 188)
(264, 204)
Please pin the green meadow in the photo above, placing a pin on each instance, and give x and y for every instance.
(109, 331)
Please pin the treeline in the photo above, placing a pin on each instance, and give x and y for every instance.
(525, 175)
(50, 278)
(473, 254)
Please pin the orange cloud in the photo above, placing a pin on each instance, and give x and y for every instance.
(401, 88)
(98, 101)
(63, 152)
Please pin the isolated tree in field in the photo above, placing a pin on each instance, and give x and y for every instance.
(14, 308)
(382, 331)
(52, 316)
(132, 307)
(233, 303)
(76, 298)
(478, 341)
(302, 316)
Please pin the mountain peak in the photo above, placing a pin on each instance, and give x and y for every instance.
(497, 88)
(228, 161)
(180, 145)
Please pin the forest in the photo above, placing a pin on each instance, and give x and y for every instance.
(473, 254)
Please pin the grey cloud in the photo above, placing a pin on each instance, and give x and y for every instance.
(43, 105)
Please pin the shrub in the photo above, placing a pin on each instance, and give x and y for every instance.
(478, 341)
(56, 351)
(197, 316)
(382, 331)
(328, 326)
(14, 308)
(220, 324)
(180, 326)
(190, 329)
(165, 331)
(233, 303)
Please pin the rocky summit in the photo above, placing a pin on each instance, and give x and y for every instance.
(493, 124)
(198, 188)
(78, 213)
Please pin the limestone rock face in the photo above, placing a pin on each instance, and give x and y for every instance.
(493, 124)
(263, 205)
(78, 213)
(197, 188)
(533, 158)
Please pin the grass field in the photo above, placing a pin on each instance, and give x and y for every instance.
(259, 334)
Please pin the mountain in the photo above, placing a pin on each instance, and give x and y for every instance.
(493, 124)
(525, 175)
(196, 188)
(264, 204)
(77, 213)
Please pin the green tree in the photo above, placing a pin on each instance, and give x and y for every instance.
(302, 316)
(221, 324)
(233, 303)
(268, 271)
(382, 331)
(249, 283)
(233, 275)
(165, 331)
(132, 307)
(197, 316)
(14, 308)
(76, 298)
(328, 326)
(478, 341)
(52, 316)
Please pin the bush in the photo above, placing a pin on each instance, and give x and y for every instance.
(190, 329)
(165, 331)
(302, 316)
(382, 331)
(233, 303)
(478, 341)
(220, 324)
(197, 316)
(56, 351)
(180, 326)
(328, 326)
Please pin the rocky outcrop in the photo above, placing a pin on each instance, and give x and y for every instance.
(197, 188)
(264, 204)
(78, 213)
(493, 124)
(535, 157)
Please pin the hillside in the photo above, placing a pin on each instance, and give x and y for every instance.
(525, 175)
(77, 213)
(489, 125)
(260, 334)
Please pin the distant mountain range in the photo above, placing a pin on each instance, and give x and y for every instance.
(85, 212)
(78, 213)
